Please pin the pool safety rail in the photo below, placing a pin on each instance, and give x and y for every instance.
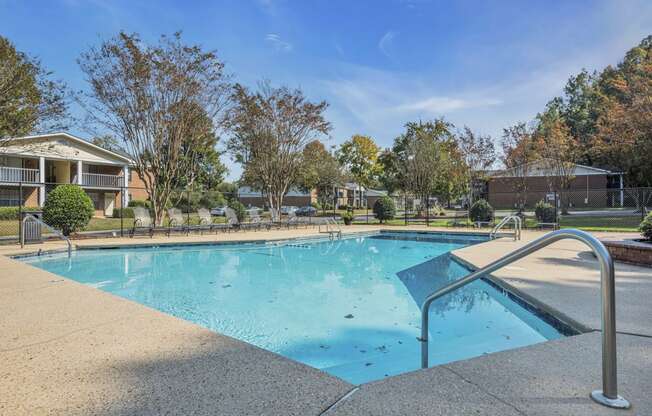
(518, 224)
(331, 227)
(31, 218)
(608, 396)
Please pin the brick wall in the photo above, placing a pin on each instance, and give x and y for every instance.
(630, 252)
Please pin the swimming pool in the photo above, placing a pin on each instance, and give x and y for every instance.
(350, 307)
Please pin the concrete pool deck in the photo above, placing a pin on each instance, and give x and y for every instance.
(71, 349)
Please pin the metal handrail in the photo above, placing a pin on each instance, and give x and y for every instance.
(608, 396)
(54, 230)
(331, 222)
(518, 224)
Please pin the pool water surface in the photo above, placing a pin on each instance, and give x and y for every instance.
(350, 307)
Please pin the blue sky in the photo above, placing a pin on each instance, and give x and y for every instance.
(485, 64)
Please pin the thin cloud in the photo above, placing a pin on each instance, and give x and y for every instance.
(385, 43)
(442, 104)
(277, 43)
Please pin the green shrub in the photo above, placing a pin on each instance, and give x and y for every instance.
(646, 227)
(315, 205)
(138, 203)
(128, 212)
(240, 211)
(12, 213)
(347, 217)
(68, 208)
(545, 212)
(481, 211)
(384, 209)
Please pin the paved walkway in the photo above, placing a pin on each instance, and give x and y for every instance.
(73, 350)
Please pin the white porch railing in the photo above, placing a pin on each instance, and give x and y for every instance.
(8, 174)
(101, 180)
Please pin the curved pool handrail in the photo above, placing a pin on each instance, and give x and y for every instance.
(608, 396)
(31, 217)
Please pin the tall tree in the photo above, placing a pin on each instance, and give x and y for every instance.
(479, 155)
(269, 130)
(426, 160)
(359, 156)
(159, 99)
(519, 151)
(30, 100)
(108, 142)
(623, 138)
(320, 171)
(559, 152)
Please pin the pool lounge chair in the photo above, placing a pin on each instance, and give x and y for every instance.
(206, 222)
(176, 221)
(232, 222)
(142, 222)
(256, 222)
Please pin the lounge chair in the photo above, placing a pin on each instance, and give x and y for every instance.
(142, 222)
(206, 222)
(232, 222)
(293, 220)
(176, 221)
(255, 221)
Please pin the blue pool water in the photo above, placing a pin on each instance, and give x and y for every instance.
(350, 307)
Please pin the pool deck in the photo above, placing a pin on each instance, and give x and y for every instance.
(69, 349)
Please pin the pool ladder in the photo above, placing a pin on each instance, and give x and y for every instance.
(518, 224)
(331, 227)
(32, 218)
(608, 396)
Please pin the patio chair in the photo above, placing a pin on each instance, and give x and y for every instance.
(142, 221)
(176, 221)
(232, 222)
(293, 220)
(206, 221)
(255, 221)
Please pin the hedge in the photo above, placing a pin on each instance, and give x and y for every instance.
(128, 212)
(545, 212)
(13, 213)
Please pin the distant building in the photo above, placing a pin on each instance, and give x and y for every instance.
(590, 186)
(295, 197)
(31, 166)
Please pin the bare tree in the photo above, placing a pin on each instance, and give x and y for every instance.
(270, 129)
(156, 99)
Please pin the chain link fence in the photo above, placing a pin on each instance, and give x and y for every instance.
(609, 209)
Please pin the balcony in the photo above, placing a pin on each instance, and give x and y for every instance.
(102, 181)
(17, 175)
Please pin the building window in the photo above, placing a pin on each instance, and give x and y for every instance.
(10, 198)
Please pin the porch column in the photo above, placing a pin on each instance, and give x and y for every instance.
(125, 184)
(41, 179)
(80, 165)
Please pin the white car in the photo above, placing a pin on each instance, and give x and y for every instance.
(218, 211)
(286, 209)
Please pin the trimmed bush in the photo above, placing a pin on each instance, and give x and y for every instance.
(347, 217)
(481, 211)
(384, 209)
(545, 212)
(646, 227)
(128, 212)
(68, 208)
(240, 211)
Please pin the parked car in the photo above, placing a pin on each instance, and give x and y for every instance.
(253, 210)
(218, 211)
(286, 209)
(306, 211)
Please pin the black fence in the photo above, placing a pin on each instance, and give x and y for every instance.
(609, 209)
